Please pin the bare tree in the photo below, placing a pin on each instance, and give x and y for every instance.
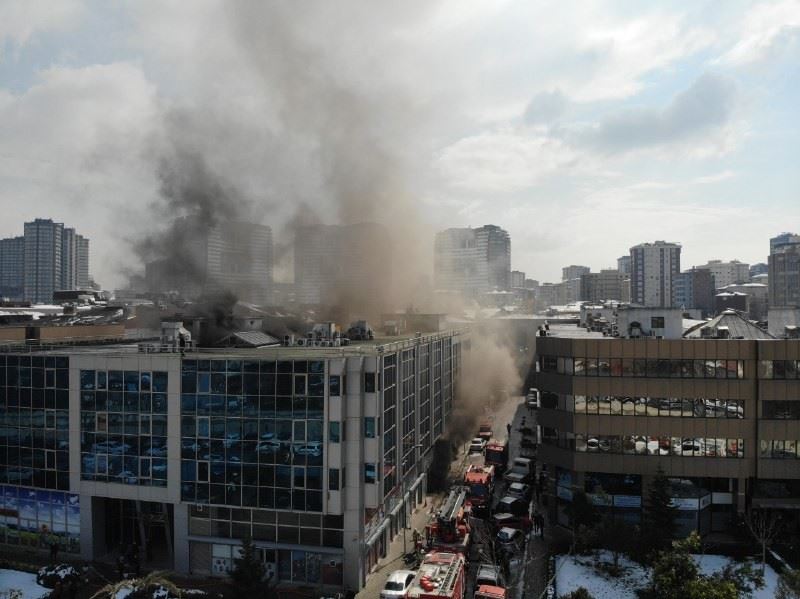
(764, 526)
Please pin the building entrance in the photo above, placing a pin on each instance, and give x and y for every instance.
(142, 528)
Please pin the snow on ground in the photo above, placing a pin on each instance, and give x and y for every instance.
(22, 581)
(573, 572)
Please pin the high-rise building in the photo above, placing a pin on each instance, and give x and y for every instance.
(517, 279)
(344, 265)
(574, 272)
(732, 272)
(784, 275)
(82, 261)
(653, 270)
(230, 256)
(600, 286)
(783, 238)
(43, 260)
(694, 288)
(624, 265)
(761, 268)
(472, 261)
(319, 456)
(12, 268)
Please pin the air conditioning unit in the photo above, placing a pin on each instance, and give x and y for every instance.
(300, 342)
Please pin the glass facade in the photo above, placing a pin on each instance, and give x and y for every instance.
(641, 367)
(780, 410)
(709, 447)
(782, 449)
(34, 517)
(616, 405)
(390, 460)
(252, 433)
(124, 427)
(779, 369)
(34, 421)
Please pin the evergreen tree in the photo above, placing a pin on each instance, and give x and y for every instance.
(579, 593)
(788, 585)
(248, 572)
(659, 517)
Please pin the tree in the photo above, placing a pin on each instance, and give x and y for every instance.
(579, 593)
(619, 538)
(248, 571)
(133, 587)
(583, 518)
(659, 517)
(788, 585)
(764, 526)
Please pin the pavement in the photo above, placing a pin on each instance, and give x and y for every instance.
(394, 556)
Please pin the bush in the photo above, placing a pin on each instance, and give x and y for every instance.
(50, 575)
(579, 593)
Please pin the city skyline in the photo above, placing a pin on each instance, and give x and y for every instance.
(672, 118)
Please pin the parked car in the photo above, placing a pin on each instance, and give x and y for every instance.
(397, 584)
(268, 446)
(520, 490)
(312, 449)
(506, 520)
(477, 445)
(510, 538)
(512, 505)
(489, 574)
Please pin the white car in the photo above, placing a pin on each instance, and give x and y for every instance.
(477, 445)
(397, 584)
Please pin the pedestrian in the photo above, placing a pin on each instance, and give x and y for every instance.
(541, 525)
(134, 559)
(508, 429)
(53, 548)
(58, 591)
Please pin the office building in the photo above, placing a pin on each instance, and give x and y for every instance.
(782, 239)
(784, 274)
(574, 271)
(713, 412)
(344, 265)
(760, 268)
(517, 279)
(472, 261)
(43, 254)
(599, 286)
(624, 265)
(316, 453)
(727, 273)
(694, 288)
(654, 267)
(12, 268)
(199, 260)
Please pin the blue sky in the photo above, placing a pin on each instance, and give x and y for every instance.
(583, 128)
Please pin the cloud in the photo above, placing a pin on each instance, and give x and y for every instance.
(502, 161)
(765, 31)
(694, 114)
(20, 21)
(545, 107)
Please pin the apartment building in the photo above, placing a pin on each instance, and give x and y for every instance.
(654, 268)
(472, 261)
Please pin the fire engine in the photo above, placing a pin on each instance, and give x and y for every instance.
(440, 576)
(479, 483)
(497, 455)
(449, 528)
(485, 430)
(487, 591)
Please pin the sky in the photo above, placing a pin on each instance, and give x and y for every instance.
(583, 128)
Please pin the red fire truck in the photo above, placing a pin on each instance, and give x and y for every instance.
(449, 529)
(497, 455)
(440, 576)
(479, 483)
(487, 591)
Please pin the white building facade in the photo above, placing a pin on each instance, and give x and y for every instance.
(654, 267)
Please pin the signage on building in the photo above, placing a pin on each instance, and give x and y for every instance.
(601, 499)
(564, 493)
(685, 504)
(705, 501)
(627, 501)
(722, 498)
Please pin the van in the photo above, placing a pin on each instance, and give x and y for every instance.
(512, 505)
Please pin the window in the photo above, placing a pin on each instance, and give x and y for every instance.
(334, 385)
(370, 473)
(657, 322)
(369, 427)
(333, 479)
(369, 382)
(334, 430)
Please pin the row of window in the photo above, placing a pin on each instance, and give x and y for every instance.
(51, 399)
(645, 406)
(26, 512)
(254, 384)
(643, 367)
(253, 366)
(650, 445)
(779, 369)
(251, 406)
(123, 380)
(780, 410)
(784, 449)
(128, 401)
(14, 360)
(234, 494)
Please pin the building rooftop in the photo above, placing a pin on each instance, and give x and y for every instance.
(734, 325)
